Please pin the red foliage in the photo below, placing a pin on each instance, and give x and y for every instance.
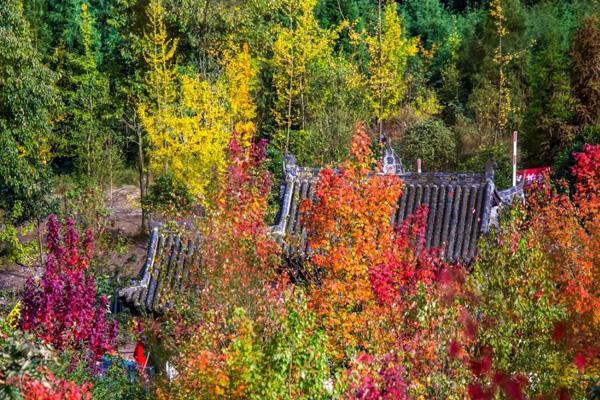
(239, 257)
(378, 379)
(52, 389)
(351, 241)
(403, 268)
(569, 228)
(372, 278)
(586, 172)
(62, 307)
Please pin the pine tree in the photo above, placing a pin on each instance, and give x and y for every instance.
(549, 113)
(585, 71)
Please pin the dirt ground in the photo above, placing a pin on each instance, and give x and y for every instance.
(123, 249)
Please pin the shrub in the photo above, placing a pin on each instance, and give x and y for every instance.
(500, 154)
(61, 307)
(373, 292)
(21, 354)
(432, 142)
(534, 294)
(378, 379)
(569, 231)
(13, 247)
(52, 389)
(115, 382)
(280, 357)
(219, 334)
(168, 196)
(514, 300)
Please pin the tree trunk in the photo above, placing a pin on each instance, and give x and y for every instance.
(141, 176)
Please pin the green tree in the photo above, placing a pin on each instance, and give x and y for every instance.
(500, 154)
(27, 94)
(432, 142)
(90, 137)
(547, 126)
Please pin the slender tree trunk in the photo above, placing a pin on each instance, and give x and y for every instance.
(500, 90)
(302, 105)
(110, 171)
(39, 239)
(141, 176)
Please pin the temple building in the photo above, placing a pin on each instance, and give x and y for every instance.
(461, 208)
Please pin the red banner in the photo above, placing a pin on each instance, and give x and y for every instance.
(532, 174)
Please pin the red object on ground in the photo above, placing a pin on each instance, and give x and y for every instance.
(138, 355)
(533, 174)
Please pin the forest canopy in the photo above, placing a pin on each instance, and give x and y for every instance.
(159, 85)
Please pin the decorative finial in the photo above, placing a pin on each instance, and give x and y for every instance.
(391, 163)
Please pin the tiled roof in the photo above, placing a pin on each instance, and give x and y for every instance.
(168, 263)
(459, 206)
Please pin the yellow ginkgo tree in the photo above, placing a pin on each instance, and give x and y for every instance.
(300, 43)
(184, 117)
(240, 75)
(389, 52)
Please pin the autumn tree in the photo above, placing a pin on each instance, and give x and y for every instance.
(240, 75)
(585, 54)
(187, 133)
(389, 52)
(300, 42)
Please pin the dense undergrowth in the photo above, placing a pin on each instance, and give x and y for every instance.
(195, 104)
(374, 319)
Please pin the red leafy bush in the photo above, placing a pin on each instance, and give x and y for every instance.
(569, 229)
(378, 379)
(376, 289)
(52, 389)
(62, 307)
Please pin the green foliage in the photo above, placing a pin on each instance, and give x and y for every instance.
(280, 357)
(292, 361)
(21, 354)
(432, 142)
(168, 195)
(512, 282)
(27, 94)
(86, 136)
(500, 154)
(117, 382)
(12, 247)
(551, 108)
(84, 200)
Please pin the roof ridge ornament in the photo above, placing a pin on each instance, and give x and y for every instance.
(290, 167)
(391, 162)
